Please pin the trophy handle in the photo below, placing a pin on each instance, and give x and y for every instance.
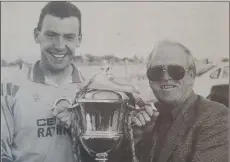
(73, 105)
(132, 110)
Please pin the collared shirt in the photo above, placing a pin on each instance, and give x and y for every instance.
(29, 130)
(36, 75)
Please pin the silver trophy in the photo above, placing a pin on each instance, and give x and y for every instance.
(101, 116)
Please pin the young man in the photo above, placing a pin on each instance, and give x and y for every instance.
(30, 133)
(189, 127)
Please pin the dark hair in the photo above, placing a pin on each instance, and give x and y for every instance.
(60, 9)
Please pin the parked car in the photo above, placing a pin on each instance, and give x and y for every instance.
(220, 93)
(214, 84)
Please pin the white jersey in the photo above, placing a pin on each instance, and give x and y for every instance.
(29, 131)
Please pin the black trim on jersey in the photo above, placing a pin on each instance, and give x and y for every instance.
(39, 77)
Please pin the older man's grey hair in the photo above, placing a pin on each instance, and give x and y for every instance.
(191, 60)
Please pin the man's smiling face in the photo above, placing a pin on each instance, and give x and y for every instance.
(58, 39)
(167, 89)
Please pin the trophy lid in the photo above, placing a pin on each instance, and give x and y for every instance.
(106, 81)
(105, 88)
(102, 96)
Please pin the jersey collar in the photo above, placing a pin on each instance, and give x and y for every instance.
(36, 75)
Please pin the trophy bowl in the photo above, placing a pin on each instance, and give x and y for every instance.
(102, 116)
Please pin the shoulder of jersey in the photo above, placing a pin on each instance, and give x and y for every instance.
(12, 81)
(14, 76)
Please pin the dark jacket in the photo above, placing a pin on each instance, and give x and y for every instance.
(198, 134)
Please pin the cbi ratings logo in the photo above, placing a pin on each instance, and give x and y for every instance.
(48, 127)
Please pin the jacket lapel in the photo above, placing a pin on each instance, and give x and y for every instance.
(154, 140)
(177, 129)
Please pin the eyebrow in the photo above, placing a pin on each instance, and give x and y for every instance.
(67, 34)
(49, 31)
(70, 34)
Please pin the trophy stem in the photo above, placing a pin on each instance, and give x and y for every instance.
(101, 157)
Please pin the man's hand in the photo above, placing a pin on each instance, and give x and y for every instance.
(62, 113)
(146, 115)
(143, 121)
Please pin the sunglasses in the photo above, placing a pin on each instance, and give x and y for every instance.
(156, 73)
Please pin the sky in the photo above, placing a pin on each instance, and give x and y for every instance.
(124, 29)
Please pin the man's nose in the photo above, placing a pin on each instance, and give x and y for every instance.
(60, 43)
(165, 75)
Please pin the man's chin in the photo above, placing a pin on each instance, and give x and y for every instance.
(168, 100)
(57, 67)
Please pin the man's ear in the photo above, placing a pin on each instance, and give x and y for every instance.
(36, 35)
(192, 76)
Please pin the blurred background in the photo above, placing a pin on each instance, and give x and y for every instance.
(120, 36)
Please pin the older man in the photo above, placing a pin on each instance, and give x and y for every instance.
(189, 128)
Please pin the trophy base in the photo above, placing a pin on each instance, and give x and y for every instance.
(101, 157)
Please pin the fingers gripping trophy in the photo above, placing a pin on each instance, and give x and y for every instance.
(101, 117)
